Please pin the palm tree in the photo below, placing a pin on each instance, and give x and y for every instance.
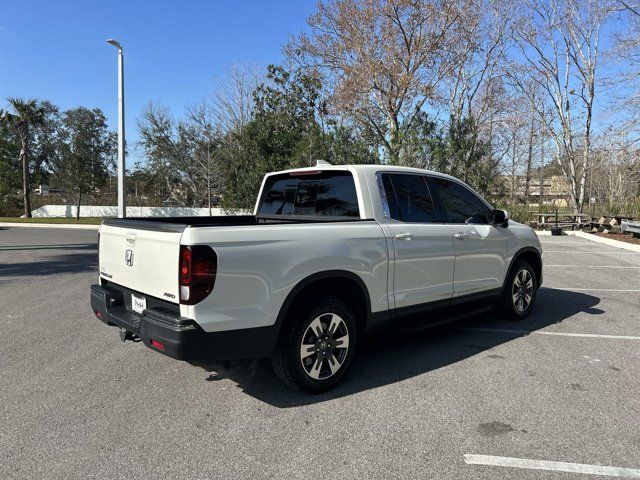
(27, 114)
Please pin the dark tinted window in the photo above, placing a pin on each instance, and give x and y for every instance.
(460, 204)
(330, 194)
(408, 198)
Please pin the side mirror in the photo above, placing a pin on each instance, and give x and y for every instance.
(500, 218)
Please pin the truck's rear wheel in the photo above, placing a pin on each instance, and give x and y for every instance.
(316, 345)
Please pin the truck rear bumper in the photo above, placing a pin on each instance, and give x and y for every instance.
(178, 337)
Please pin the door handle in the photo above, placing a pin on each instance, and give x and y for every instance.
(404, 236)
(461, 236)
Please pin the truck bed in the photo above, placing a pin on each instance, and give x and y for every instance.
(178, 224)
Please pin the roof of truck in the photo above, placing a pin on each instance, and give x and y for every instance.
(365, 167)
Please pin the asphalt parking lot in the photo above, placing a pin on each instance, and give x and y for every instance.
(480, 399)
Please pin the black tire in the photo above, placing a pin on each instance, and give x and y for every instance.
(287, 359)
(508, 305)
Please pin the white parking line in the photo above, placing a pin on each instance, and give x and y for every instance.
(598, 289)
(592, 252)
(593, 266)
(542, 332)
(471, 459)
(573, 244)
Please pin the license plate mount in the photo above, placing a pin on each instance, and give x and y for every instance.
(138, 304)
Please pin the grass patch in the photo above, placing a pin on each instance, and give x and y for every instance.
(81, 221)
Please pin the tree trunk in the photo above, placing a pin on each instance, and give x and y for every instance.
(78, 205)
(394, 140)
(209, 192)
(26, 193)
(527, 177)
(541, 200)
(586, 157)
(513, 168)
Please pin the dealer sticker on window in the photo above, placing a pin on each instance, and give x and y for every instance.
(138, 303)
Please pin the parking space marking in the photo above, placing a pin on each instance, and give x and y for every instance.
(600, 290)
(590, 245)
(586, 243)
(593, 252)
(471, 459)
(542, 332)
(595, 266)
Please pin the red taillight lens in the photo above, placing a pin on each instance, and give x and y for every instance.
(197, 274)
(157, 344)
(98, 245)
(305, 172)
(185, 265)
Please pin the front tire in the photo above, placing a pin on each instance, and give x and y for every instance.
(519, 294)
(316, 345)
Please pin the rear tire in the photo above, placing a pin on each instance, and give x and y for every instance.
(519, 293)
(316, 345)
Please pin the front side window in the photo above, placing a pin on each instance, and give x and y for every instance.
(329, 194)
(459, 204)
(408, 198)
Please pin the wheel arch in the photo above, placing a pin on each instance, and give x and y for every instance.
(533, 256)
(343, 284)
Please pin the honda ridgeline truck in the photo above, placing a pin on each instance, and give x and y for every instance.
(330, 253)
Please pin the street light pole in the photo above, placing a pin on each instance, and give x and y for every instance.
(121, 159)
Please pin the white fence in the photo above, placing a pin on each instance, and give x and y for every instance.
(69, 211)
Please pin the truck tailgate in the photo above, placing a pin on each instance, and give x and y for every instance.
(144, 260)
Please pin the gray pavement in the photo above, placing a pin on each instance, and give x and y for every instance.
(78, 403)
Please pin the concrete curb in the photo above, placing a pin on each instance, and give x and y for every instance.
(50, 225)
(596, 239)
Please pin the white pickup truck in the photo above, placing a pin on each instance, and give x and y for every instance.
(330, 253)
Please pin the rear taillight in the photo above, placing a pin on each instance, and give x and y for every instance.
(197, 273)
(99, 256)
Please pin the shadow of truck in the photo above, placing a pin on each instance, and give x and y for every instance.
(387, 358)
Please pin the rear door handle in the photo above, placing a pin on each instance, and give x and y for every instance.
(461, 236)
(404, 236)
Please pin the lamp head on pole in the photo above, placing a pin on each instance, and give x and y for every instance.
(115, 43)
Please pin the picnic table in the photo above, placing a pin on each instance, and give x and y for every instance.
(572, 220)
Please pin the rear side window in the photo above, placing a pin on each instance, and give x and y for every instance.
(408, 198)
(459, 204)
(328, 194)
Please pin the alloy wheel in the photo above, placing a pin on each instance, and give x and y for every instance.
(522, 290)
(324, 346)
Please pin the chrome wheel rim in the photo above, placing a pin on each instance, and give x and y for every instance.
(324, 346)
(522, 290)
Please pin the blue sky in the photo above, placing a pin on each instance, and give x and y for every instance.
(56, 50)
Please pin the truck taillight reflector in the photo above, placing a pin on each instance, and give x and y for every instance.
(197, 273)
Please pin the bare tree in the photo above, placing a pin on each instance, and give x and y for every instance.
(206, 140)
(471, 86)
(384, 59)
(616, 169)
(512, 128)
(231, 104)
(168, 148)
(474, 89)
(626, 53)
(559, 43)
